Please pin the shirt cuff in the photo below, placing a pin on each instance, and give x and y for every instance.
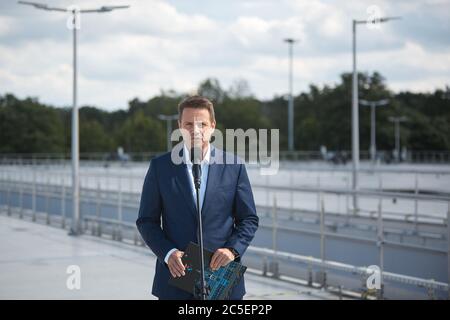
(166, 259)
(234, 252)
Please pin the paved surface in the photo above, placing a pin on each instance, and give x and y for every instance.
(34, 259)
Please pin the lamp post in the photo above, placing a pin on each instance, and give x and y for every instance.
(290, 43)
(75, 12)
(355, 111)
(373, 105)
(396, 121)
(169, 120)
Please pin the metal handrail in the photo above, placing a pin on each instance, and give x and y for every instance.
(346, 267)
(305, 189)
(360, 192)
(332, 265)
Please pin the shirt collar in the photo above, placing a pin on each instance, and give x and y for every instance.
(206, 158)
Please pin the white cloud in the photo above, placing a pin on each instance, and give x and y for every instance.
(254, 32)
(155, 44)
(6, 25)
(410, 67)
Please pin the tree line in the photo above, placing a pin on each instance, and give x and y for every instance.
(322, 118)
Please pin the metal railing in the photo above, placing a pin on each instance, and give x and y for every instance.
(422, 156)
(56, 186)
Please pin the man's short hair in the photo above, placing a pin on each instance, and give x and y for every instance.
(196, 102)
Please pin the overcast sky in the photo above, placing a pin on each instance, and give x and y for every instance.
(175, 44)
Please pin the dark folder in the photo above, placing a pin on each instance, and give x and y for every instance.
(219, 282)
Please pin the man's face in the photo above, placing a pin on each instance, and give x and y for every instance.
(198, 126)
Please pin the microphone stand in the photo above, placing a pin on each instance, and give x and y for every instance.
(196, 172)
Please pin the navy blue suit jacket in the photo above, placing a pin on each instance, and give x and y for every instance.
(228, 214)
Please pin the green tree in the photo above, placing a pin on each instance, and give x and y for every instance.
(29, 127)
(93, 137)
(141, 133)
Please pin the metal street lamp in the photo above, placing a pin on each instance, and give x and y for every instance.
(76, 224)
(396, 121)
(290, 43)
(355, 111)
(169, 120)
(373, 105)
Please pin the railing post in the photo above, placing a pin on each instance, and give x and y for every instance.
(380, 244)
(33, 199)
(47, 200)
(82, 223)
(135, 237)
(448, 249)
(8, 197)
(21, 184)
(291, 194)
(63, 202)
(119, 210)
(275, 272)
(2, 183)
(310, 275)
(347, 198)
(416, 192)
(130, 178)
(318, 193)
(322, 275)
(97, 209)
(322, 227)
(264, 267)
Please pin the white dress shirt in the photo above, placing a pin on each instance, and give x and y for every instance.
(204, 164)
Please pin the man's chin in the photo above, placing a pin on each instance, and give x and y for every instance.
(199, 145)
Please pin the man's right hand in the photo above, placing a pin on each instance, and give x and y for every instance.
(175, 264)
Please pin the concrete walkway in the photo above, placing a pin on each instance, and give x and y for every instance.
(34, 259)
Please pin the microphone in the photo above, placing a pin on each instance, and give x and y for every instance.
(196, 158)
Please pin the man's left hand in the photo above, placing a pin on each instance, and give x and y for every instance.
(221, 257)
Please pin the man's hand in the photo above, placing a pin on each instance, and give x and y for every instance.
(175, 264)
(221, 257)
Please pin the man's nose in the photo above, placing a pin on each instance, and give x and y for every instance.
(196, 134)
(198, 127)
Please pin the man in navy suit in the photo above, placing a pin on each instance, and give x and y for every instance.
(167, 215)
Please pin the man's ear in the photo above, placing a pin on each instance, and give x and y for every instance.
(179, 124)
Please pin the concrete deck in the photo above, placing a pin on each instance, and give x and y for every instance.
(34, 259)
